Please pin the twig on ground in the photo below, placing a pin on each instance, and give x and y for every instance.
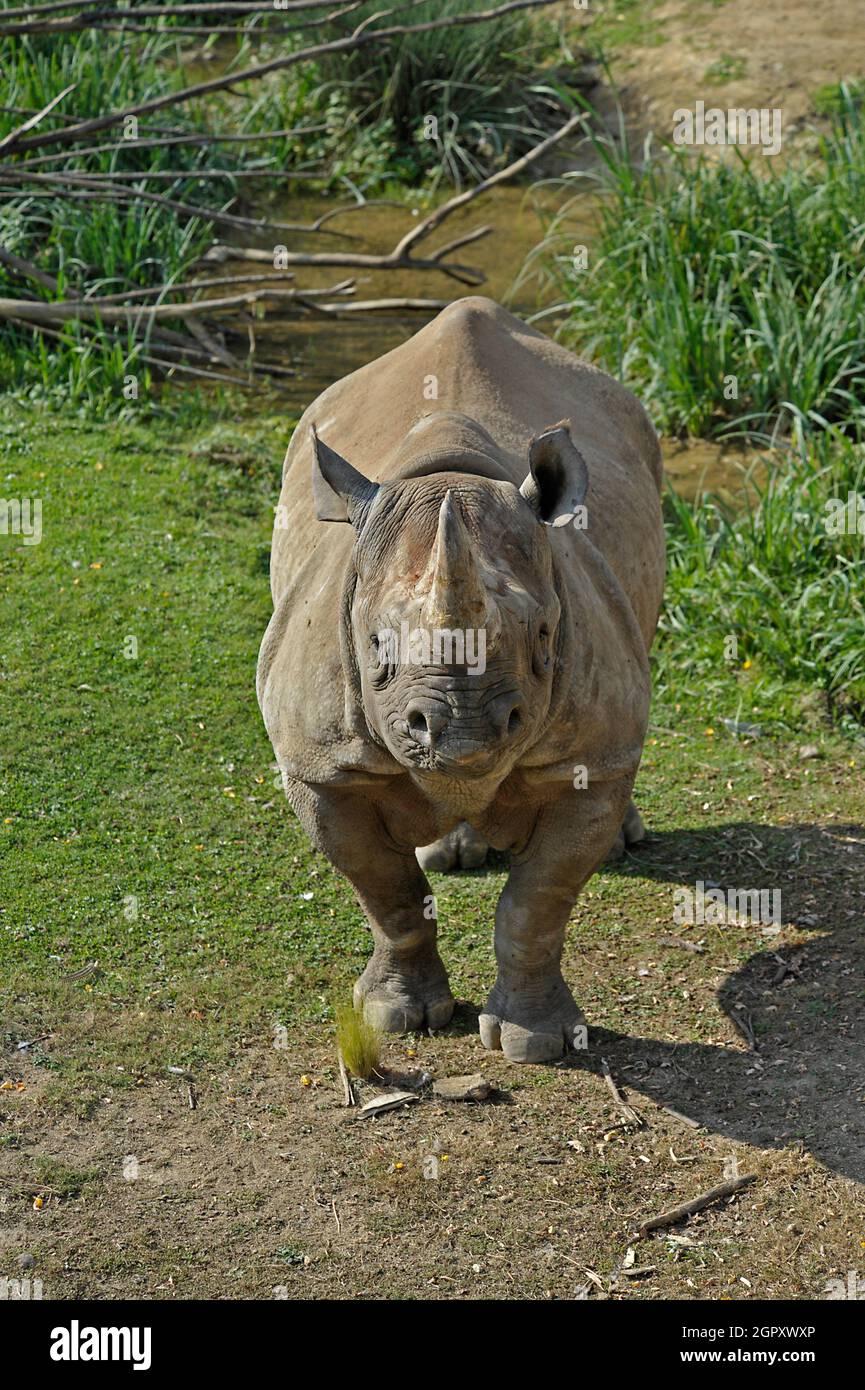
(629, 1114)
(715, 1194)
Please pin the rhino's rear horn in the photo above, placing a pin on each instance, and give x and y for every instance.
(558, 478)
(340, 493)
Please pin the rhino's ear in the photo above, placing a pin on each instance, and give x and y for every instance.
(339, 491)
(558, 478)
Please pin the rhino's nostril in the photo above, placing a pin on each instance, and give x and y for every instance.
(515, 720)
(424, 725)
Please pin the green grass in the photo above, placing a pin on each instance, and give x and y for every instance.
(728, 68)
(730, 295)
(494, 90)
(141, 825)
(361, 128)
(773, 577)
(832, 99)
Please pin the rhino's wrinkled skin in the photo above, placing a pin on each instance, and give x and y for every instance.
(457, 482)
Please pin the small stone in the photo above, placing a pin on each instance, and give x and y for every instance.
(473, 1087)
(26, 1260)
(809, 750)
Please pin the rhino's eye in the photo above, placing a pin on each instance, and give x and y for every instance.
(380, 660)
(541, 658)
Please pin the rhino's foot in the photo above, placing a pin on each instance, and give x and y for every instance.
(631, 833)
(402, 995)
(535, 1025)
(461, 848)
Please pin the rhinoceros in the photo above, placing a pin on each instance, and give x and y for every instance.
(467, 569)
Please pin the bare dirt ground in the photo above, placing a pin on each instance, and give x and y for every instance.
(739, 1047)
(738, 53)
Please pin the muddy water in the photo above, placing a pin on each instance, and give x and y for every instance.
(322, 350)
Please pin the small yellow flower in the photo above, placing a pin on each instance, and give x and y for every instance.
(746, 665)
(97, 565)
(199, 846)
(7, 820)
(710, 733)
(398, 1167)
(306, 1080)
(38, 1203)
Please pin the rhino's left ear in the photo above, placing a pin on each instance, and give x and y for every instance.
(558, 478)
(339, 491)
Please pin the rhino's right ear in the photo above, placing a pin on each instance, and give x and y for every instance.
(339, 491)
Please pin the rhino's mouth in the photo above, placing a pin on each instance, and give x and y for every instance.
(465, 759)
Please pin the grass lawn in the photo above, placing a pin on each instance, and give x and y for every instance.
(141, 833)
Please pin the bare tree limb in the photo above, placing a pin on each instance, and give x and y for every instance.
(34, 120)
(69, 134)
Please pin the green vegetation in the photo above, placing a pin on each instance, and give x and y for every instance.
(728, 68)
(832, 99)
(355, 123)
(493, 89)
(775, 577)
(358, 1042)
(730, 295)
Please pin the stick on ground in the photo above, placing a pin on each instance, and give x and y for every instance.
(715, 1194)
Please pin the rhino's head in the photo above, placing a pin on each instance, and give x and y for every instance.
(455, 615)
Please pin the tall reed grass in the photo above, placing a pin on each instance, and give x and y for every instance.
(730, 295)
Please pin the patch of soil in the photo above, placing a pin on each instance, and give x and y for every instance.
(741, 54)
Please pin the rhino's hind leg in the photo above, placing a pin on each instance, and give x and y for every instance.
(461, 848)
(631, 833)
(405, 986)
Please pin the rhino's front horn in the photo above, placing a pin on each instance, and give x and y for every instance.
(457, 597)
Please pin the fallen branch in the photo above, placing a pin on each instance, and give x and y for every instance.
(198, 138)
(103, 190)
(70, 134)
(715, 1194)
(48, 311)
(34, 120)
(346, 1082)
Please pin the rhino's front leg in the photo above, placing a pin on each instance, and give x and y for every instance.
(530, 1013)
(405, 985)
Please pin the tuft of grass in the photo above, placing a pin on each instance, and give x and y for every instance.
(728, 68)
(831, 99)
(357, 1040)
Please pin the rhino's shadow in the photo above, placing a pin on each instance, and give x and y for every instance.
(804, 1079)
